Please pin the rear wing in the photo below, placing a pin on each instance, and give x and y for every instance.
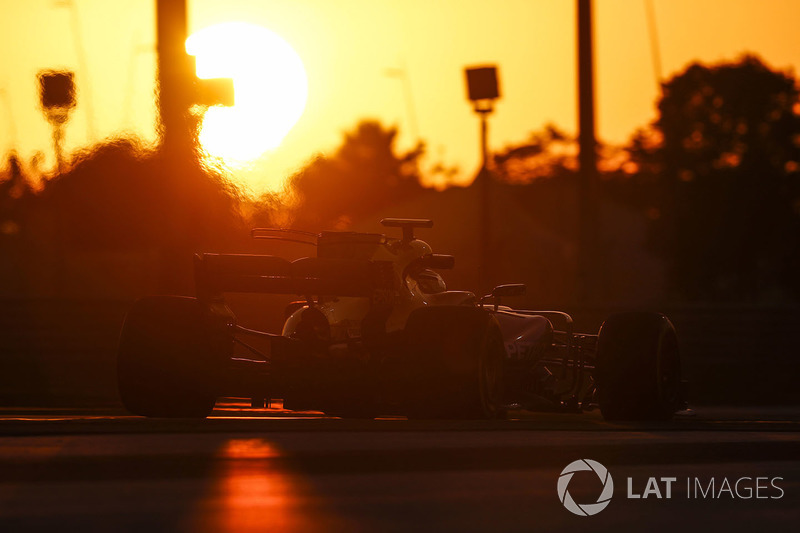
(216, 274)
(283, 234)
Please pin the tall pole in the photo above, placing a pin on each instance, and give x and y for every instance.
(655, 50)
(587, 196)
(58, 137)
(484, 270)
(175, 132)
(174, 78)
(484, 141)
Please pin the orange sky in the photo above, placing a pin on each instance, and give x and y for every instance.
(347, 47)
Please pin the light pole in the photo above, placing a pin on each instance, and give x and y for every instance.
(57, 94)
(401, 73)
(482, 91)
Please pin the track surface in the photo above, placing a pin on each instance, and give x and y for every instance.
(272, 470)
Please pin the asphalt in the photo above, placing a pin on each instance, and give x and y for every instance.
(275, 470)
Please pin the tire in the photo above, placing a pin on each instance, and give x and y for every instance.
(638, 371)
(455, 358)
(167, 360)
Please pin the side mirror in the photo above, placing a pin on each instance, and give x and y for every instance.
(504, 291)
(512, 289)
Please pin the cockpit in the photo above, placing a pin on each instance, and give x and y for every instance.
(427, 281)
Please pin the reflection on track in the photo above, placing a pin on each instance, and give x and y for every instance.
(249, 493)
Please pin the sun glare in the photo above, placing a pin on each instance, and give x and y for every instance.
(270, 87)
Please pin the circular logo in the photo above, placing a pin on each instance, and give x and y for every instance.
(585, 509)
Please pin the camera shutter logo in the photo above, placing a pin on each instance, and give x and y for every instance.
(585, 509)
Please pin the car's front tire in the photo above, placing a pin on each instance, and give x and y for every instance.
(638, 371)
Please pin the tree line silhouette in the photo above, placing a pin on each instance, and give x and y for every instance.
(714, 180)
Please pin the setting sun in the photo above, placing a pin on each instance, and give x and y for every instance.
(270, 88)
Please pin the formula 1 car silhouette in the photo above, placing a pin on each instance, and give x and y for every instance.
(378, 333)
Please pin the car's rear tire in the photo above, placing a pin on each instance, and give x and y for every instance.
(638, 371)
(455, 364)
(167, 360)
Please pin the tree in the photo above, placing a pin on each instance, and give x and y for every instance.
(724, 155)
(546, 154)
(120, 199)
(120, 195)
(363, 175)
(15, 192)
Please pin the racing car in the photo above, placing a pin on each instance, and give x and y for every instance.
(375, 332)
